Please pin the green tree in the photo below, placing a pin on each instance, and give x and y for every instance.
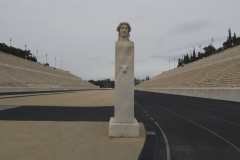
(209, 50)
(220, 49)
(234, 39)
(194, 55)
(17, 52)
(187, 59)
(230, 37)
(226, 44)
(179, 62)
(238, 41)
(199, 55)
(191, 58)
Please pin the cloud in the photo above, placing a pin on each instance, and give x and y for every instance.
(138, 60)
(157, 56)
(183, 28)
(35, 8)
(94, 59)
(189, 27)
(111, 63)
(159, 39)
(145, 11)
(5, 24)
(190, 45)
(165, 56)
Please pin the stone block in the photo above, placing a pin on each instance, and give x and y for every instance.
(123, 129)
(124, 82)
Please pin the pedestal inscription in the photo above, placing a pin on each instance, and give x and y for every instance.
(123, 124)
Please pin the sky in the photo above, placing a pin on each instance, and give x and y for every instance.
(82, 33)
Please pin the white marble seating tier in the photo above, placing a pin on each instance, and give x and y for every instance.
(19, 72)
(219, 70)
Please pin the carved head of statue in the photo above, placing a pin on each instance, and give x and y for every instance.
(123, 30)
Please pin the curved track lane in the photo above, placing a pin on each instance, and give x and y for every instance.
(195, 128)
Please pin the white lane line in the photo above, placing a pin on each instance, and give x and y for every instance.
(216, 105)
(198, 125)
(209, 108)
(202, 113)
(216, 110)
(144, 111)
(166, 142)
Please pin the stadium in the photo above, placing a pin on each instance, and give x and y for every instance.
(97, 105)
(215, 77)
(40, 105)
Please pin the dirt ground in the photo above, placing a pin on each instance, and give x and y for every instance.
(79, 98)
(58, 140)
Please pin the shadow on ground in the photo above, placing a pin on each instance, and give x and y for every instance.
(53, 113)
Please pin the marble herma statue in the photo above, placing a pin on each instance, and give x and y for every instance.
(123, 124)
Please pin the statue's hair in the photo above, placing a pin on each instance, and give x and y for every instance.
(129, 28)
(124, 23)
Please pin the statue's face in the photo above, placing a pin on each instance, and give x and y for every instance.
(124, 31)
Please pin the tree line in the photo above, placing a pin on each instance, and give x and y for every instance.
(26, 54)
(111, 84)
(103, 83)
(209, 50)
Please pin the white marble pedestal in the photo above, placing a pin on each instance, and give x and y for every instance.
(123, 129)
(123, 124)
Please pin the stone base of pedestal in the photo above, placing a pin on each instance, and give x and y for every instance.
(123, 129)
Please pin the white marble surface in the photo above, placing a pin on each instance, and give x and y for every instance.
(123, 124)
(123, 129)
(124, 82)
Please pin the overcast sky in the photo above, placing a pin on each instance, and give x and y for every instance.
(82, 33)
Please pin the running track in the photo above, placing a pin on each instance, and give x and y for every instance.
(192, 128)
